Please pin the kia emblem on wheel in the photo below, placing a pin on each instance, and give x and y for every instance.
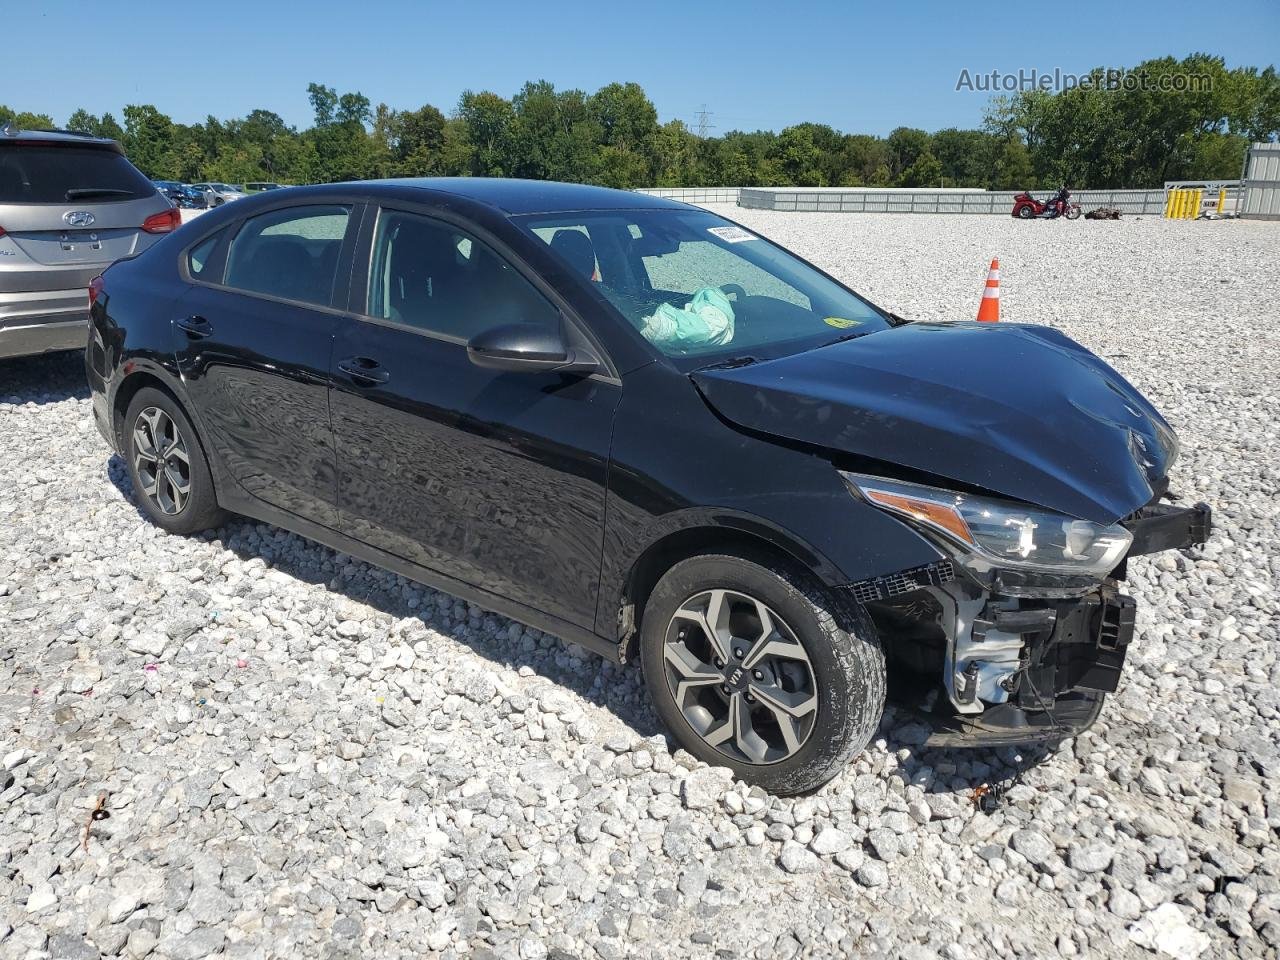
(78, 218)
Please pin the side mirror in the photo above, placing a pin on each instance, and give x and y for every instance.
(528, 347)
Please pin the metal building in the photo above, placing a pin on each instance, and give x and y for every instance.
(1262, 183)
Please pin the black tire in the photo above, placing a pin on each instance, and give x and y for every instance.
(843, 649)
(1025, 212)
(199, 508)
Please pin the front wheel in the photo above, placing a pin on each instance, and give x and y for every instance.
(755, 667)
(1073, 213)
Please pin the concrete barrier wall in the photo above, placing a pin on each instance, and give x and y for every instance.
(884, 200)
(695, 194)
(903, 200)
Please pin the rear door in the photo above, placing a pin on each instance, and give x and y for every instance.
(68, 210)
(254, 342)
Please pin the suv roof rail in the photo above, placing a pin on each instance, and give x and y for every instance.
(10, 129)
(69, 133)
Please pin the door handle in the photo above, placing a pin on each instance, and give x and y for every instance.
(197, 328)
(364, 371)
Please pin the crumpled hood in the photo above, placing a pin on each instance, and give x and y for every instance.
(1020, 410)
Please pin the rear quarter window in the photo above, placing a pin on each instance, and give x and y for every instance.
(198, 257)
(58, 174)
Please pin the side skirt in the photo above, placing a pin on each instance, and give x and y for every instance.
(237, 502)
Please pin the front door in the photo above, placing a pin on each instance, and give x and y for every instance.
(495, 479)
(254, 343)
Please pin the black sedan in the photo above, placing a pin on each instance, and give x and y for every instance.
(644, 428)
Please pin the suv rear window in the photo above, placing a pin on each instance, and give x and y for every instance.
(56, 174)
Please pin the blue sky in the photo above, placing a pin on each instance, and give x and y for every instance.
(861, 67)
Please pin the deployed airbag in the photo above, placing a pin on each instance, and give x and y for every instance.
(706, 320)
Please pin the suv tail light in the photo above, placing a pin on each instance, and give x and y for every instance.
(166, 221)
(1, 231)
(95, 289)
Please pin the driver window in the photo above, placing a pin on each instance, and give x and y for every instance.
(428, 274)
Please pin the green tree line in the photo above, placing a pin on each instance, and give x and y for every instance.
(1136, 136)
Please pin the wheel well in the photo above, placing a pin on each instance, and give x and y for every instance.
(127, 390)
(667, 552)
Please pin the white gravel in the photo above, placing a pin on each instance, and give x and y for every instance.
(303, 756)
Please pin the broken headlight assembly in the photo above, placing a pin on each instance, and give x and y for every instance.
(1015, 542)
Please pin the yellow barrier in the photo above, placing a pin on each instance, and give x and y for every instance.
(1185, 204)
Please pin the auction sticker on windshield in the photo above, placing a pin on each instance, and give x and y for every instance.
(841, 323)
(731, 234)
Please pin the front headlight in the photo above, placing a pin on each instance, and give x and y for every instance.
(1006, 534)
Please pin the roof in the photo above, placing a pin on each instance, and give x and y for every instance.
(9, 133)
(536, 196)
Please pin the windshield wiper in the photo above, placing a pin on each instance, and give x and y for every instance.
(82, 192)
(847, 336)
(731, 363)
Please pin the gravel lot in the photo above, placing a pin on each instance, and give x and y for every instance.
(305, 756)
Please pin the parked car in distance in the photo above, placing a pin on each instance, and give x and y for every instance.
(69, 205)
(260, 186)
(181, 195)
(216, 194)
(171, 190)
(639, 426)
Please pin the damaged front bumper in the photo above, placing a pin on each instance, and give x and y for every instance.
(1035, 672)
(1021, 664)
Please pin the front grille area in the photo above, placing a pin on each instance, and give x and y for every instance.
(896, 584)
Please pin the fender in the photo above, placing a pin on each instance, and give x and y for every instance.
(692, 530)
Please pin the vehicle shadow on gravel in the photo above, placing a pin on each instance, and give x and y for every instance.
(968, 775)
(982, 776)
(48, 378)
(619, 690)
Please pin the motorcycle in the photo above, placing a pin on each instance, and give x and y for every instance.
(1027, 207)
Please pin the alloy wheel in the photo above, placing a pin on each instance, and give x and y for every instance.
(160, 460)
(740, 677)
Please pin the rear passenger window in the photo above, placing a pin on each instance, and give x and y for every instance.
(431, 275)
(291, 253)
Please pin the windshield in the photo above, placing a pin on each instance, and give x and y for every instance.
(59, 174)
(699, 287)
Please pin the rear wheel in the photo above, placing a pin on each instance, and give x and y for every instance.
(1025, 212)
(170, 474)
(754, 667)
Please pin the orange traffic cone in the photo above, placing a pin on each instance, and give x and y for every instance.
(989, 308)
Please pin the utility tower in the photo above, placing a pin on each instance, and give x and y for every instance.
(704, 121)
